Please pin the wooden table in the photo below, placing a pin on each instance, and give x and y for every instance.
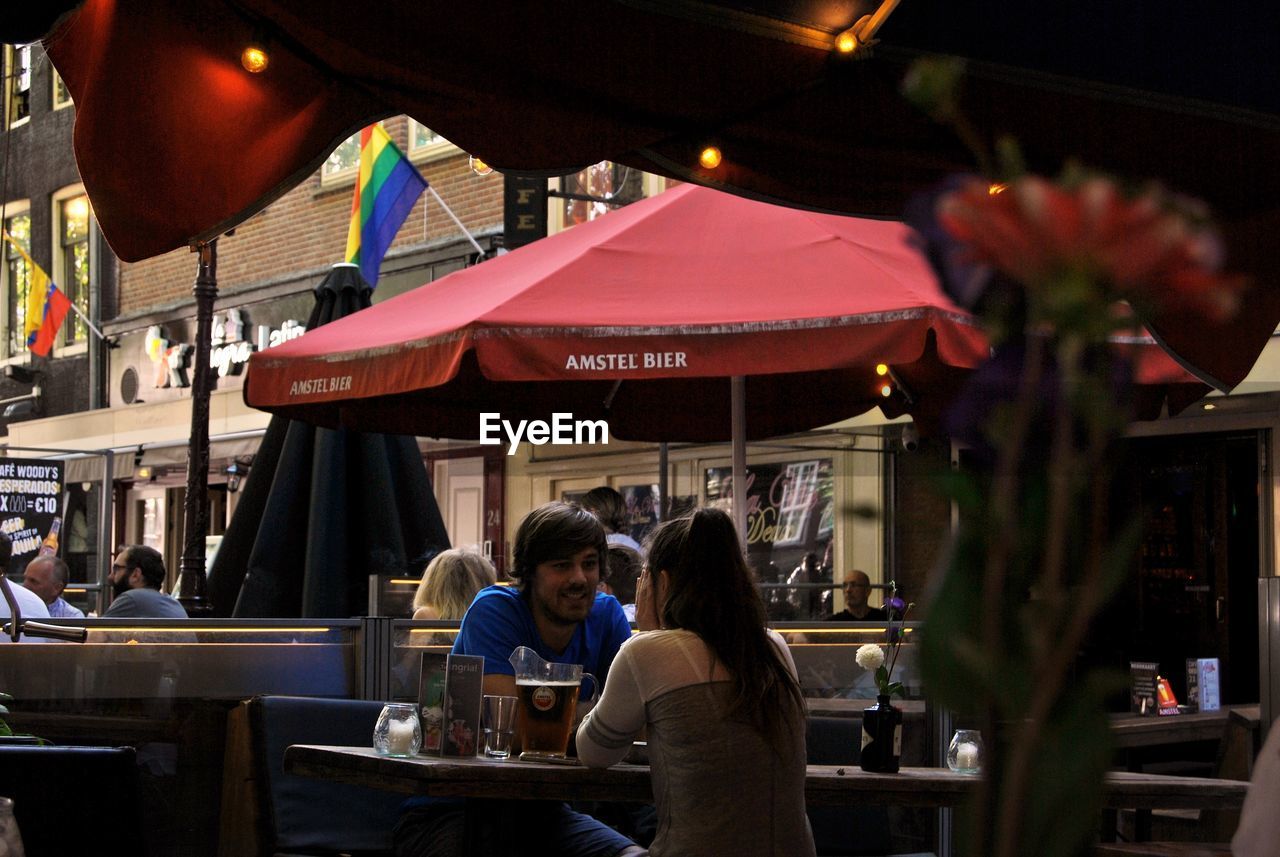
(826, 785)
(1129, 730)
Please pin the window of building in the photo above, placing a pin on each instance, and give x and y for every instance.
(611, 186)
(425, 144)
(17, 76)
(72, 265)
(342, 163)
(61, 95)
(17, 282)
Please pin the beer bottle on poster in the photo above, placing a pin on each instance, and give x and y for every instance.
(49, 546)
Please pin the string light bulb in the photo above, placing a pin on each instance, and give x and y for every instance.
(254, 58)
(997, 187)
(710, 157)
(882, 369)
(77, 209)
(886, 390)
(478, 166)
(846, 42)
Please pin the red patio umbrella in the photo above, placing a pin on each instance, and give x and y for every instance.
(640, 318)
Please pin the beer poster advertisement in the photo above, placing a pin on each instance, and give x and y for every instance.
(31, 506)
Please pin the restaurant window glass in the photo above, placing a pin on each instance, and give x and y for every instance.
(17, 283)
(17, 76)
(790, 517)
(73, 264)
(608, 186)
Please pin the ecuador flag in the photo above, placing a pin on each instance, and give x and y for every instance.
(386, 189)
(46, 306)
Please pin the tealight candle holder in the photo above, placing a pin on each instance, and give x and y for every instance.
(398, 731)
(965, 754)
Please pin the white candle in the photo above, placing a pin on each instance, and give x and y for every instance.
(400, 737)
(967, 756)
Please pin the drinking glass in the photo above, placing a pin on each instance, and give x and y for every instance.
(499, 725)
(398, 732)
(965, 755)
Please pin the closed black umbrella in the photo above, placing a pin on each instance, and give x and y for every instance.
(323, 509)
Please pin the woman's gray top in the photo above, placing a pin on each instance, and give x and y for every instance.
(720, 788)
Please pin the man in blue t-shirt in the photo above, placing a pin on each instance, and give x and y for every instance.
(555, 610)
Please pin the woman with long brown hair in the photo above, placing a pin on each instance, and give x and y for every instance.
(718, 694)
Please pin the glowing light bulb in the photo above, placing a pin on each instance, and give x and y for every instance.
(710, 157)
(1210, 406)
(997, 187)
(254, 58)
(882, 369)
(478, 166)
(846, 42)
(77, 209)
(886, 390)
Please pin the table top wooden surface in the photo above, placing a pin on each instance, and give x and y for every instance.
(826, 785)
(1131, 730)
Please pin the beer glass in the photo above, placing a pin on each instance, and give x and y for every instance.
(548, 701)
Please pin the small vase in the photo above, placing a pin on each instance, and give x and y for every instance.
(881, 737)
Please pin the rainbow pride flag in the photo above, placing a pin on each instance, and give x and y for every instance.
(386, 190)
(47, 306)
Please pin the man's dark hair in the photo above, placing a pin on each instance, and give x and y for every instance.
(555, 531)
(625, 565)
(150, 561)
(6, 551)
(607, 505)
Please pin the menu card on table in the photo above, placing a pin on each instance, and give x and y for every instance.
(463, 691)
(1143, 687)
(431, 700)
(1202, 684)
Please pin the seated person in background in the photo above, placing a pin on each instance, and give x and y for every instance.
(136, 577)
(609, 506)
(450, 582)
(555, 610)
(625, 565)
(46, 576)
(719, 696)
(857, 588)
(30, 605)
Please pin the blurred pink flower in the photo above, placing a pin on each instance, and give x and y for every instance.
(1148, 249)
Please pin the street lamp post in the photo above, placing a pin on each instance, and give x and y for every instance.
(191, 576)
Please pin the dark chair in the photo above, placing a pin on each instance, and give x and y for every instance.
(95, 786)
(309, 816)
(859, 830)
